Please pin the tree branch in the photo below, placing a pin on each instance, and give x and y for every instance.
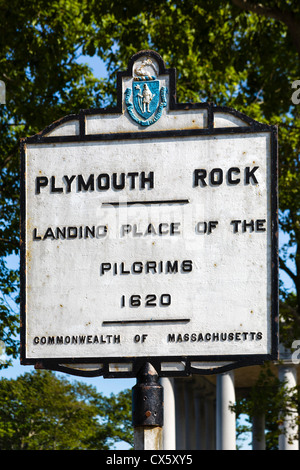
(292, 23)
(262, 10)
(283, 266)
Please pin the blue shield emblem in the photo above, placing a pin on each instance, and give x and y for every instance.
(145, 97)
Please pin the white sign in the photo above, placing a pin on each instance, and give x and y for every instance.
(145, 240)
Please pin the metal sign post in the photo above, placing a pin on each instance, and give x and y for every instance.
(149, 234)
(147, 410)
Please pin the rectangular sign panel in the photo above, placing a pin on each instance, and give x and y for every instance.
(154, 245)
(147, 244)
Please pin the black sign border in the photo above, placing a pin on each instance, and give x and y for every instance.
(222, 363)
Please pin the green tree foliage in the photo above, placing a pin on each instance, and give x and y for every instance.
(39, 411)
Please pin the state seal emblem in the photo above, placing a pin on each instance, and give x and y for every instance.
(148, 98)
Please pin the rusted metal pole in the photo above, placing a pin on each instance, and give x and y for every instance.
(147, 410)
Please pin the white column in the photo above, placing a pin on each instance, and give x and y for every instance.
(226, 420)
(210, 423)
(180, 416)
(190, 420)
(200, 421)
(169, 427)
(288, 439)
